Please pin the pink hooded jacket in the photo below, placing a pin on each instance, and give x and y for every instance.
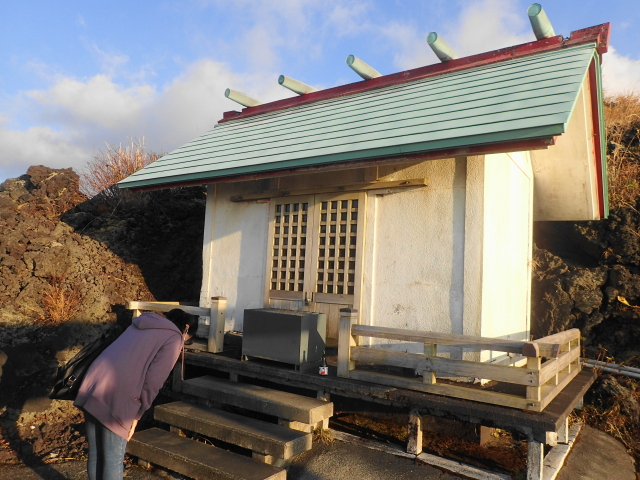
(124, 380)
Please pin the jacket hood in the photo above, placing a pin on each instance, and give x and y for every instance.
(150, 320)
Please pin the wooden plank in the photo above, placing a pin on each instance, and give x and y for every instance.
(499, 416)
(333, 298)
(447, 366)
(166, 307)
(285, 295)
(552, 367)
(355, 187)
(549, 392)
(465, 341)
(466, 393)
(333, 319)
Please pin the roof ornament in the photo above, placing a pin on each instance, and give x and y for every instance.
(540, 22)
(363, 69)
(296, 86)
(241, 98)
(441, 48)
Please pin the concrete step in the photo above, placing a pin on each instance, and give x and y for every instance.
(197, 460)
(255, 435)
(283, 405)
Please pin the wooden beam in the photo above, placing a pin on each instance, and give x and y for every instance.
(549, 392)
(456, 391)
(166, 307)
(551, 345)
(354, 187)
(464, 341)
(553, 367)
(447, 366)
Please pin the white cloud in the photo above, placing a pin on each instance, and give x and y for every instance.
(39, 146)
(98, 101)
(488, 25)
(88, 113)
(480, 27)
(620, 74)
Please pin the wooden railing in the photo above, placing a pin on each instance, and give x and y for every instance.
(542, 380)
(216, 314)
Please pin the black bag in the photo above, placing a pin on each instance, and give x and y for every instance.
(69, 376)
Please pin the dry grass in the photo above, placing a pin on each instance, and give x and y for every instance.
(622, 114)
(113, 164)
(322, 435)
(60, 301)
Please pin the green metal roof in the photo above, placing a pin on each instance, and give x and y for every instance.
(521, 99)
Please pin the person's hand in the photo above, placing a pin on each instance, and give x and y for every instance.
(133, 429)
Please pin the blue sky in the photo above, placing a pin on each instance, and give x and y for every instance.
(74, 75)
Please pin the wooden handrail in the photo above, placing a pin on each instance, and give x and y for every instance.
(216, 314)
(543, 381)
(550, 346)
(450, 339)
(168, 306)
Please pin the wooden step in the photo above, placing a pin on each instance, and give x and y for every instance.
(255, 435)
(197, 460)
(283, 405)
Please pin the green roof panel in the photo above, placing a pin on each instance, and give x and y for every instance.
(525, 98)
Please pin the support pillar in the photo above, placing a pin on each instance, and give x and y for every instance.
(414, 445)
(535, 459)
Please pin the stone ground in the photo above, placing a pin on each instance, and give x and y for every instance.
(595, 456)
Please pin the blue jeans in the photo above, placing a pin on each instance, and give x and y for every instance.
(106, 451)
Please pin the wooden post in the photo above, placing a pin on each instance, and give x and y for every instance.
(534, 393)
(563, 431)
(215, 340)
(535, 459)
(414, 444)
(348, 318)
(132, 306)
(429, 376)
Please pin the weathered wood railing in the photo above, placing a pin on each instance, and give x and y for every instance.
(543, 380)
(216, 314)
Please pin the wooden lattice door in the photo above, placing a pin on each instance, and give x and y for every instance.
(316, 246)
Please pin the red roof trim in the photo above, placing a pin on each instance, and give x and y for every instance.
(597, 139)
(598, 34)
(516, 146)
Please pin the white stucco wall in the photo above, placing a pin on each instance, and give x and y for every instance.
(235, 241)
(507, 247)
(565, 173)
(417, 269)
(449, 257)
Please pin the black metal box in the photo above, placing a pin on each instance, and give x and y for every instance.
(284, 335)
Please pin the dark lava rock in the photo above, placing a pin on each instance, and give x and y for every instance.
(583, 273)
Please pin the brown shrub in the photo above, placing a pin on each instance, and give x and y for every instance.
(60, 301)
(622, 114)
(113, 164)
